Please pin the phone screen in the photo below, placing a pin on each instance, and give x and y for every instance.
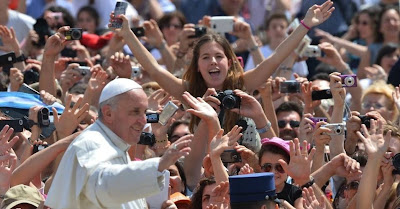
(169, 110)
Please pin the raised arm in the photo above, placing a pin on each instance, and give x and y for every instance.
(315, 16)
(165, 79)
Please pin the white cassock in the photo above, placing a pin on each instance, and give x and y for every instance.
(96, 172)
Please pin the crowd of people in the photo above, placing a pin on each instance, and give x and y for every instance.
(200, 104)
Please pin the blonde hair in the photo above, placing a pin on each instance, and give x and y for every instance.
(197, 86)
(381, 87)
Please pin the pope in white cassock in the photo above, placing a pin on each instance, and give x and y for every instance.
(96, 171)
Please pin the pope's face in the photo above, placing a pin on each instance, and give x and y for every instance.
(127, 120)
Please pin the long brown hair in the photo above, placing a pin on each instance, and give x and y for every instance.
(197, 86)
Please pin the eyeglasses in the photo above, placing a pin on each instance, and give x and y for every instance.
(367, 106)
(292, 123)
(267, 167)
(174, 26)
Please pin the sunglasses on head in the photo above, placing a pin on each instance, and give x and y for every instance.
(267, 167)
(292, 123)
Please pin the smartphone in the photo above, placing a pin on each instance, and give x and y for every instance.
(231, 156)
(8, 59)
(27, 89)
(147, 139)
(289, 87)
(222, 24)
(68, 52)
(40, 147)
(169, 110)
(199, 31)
(323, 94)
(152, 117)
(120, 9)
(139, 31)
(16, 124)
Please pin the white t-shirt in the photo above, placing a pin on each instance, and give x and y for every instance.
(21, 23)
(299, 67)
(104, 8)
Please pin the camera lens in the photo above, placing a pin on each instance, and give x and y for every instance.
(292, 88)
(349, 81)
(76, 34)
(31, 76)
(229, 102)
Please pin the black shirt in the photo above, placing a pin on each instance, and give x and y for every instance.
(290, 193)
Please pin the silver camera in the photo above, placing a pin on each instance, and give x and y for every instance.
(312, 51)
(136, 71)
(337, 128)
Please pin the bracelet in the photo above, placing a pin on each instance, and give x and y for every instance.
(310, 183)
(253, 48)
(265, 128)
(306, 26)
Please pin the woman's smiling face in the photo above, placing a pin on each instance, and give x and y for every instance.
(213, 64)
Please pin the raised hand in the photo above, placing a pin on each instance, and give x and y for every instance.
(249, 106)
(246, 169)
(317, 14)
(344, 166)
(56, 43)
(153, 34)
(306, 128)
(219, 196)
(157, 99)
(338, 92)
(69, 77)
(200, 108)
(320, 136)
(248, 157)
(168, 204)
(306, 92)
(220, 143)
(70, 118)
(16, 79)
(47, 98)
(242, 30)
(210, 98)
(8, 163)
(121, 65)
(5, 143)
(98, 79)
(375, 72)
(177, 150)
(310, 201)
(184, 40)
(374, 142)
(9, 39)
(299, 167)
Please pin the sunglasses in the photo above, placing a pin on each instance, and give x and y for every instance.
(267, 167)
(292, 123)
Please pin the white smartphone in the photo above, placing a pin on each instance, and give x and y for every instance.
(169, 110)
(222, 24)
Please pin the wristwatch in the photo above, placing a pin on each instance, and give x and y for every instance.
(21, 58)
(265, 128)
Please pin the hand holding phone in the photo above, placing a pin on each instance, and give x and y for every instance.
(120, 9)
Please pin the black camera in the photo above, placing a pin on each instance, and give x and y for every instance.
(231, 156)
(366, 120)
(199, 31)
(396, 163)
(228, 99)
(322, 94)
(31, 76)
(8, 59)
(43, 117)
(74, 34)
(147, 139)
(290, 87)
(16, 124)
(40, 147)
(42, 29)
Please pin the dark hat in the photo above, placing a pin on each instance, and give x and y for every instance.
(252, 187)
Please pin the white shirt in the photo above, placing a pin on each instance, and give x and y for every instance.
(299, 67)
(96, 172)
(21, 23)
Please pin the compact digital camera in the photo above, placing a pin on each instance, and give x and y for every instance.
(222, 24)
(152, 117)
(74, 34)
(349, 80)
(199, 31)
(83, 70)
(337, 128)
(312, 51)
(322, 94)
(136, 71)
(318, 119)
(289, 87)
(366, 120)
(229, 99)
(147, 139)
